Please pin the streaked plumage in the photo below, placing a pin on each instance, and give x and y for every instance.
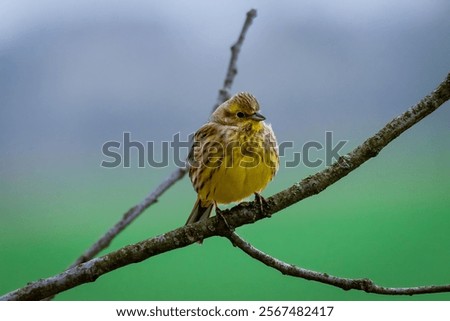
(233, 156)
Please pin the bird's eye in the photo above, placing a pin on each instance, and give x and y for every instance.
(240, 114)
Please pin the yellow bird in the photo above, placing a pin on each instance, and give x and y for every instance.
(233, 156)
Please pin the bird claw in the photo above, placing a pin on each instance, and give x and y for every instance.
(222, 217)
(262, 202)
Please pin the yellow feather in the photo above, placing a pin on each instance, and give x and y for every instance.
(234, 155)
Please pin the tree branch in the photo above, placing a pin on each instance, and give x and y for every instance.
(224, 93)
(130, 216)
(244, 213)
(177, 174)
(133, 213)
(344, 283)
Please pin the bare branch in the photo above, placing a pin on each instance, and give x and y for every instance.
(224, 93)
(344, 283)
(130, 216)
(244, 213)
(177, 174)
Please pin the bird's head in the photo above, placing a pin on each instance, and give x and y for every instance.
(240, 110)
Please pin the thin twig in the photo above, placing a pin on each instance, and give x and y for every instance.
(244, 213)
(133, 213)
(224, 93)
(344, 283)
(130, 216)
(127, 219)
(177, 174)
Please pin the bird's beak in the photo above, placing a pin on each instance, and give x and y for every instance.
(257, 117)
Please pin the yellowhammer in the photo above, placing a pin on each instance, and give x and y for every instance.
(233, 156)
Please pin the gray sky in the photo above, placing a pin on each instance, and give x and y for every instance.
(74, 74)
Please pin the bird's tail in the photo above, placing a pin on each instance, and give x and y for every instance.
(199, 212)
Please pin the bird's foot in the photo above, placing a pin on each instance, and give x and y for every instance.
(262, 202)
(222, 217)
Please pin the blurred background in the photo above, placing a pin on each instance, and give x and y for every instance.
(76, 74)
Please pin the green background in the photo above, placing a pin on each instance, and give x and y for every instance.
(387, 221)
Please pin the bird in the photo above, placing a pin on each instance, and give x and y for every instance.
(233, 155)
